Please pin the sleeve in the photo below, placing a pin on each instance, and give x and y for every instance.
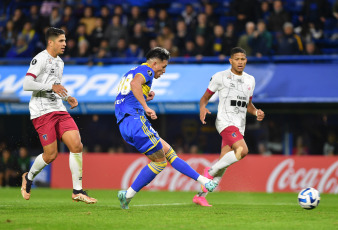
(35, 68)
(213, 84)
(29, 84)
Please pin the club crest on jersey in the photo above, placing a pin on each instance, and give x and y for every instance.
(150, 73)
(45, 137)
(233, 135)
(34, 61)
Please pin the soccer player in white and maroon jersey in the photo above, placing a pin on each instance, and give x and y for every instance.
(50, 117)
(235, 89)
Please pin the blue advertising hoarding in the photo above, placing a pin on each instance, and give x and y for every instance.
(179, 89)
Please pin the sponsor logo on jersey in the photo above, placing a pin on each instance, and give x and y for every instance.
(233, 135)
(45, 137)
(34, 61)
(150, 73)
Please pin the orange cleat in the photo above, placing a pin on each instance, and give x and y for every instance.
(26, 187)
(83, 196)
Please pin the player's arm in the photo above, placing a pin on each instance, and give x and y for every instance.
(136, 88)
(203, 103)
(256, 112)
(29, 84)
(72, 102)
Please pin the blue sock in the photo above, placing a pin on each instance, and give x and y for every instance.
(147, 174)
(180, 165)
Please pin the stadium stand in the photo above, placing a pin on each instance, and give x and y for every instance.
(22, 25)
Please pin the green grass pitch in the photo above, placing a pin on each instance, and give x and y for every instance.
(53, 209)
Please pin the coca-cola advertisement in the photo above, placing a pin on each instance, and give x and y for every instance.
(253, 173)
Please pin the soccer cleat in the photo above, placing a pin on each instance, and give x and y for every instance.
(207, 175)
(121, 195)
(26, 187)
(200, 200)
(83, 196)
(211, 185)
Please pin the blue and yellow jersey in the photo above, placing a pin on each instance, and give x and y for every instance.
(125, 102)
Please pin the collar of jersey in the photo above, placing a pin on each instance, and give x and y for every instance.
(146, 64)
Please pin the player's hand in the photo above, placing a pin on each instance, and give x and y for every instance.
(151, 96)
(60, 90)
(72, 101)
(151, 113)
(260, 115)
(203, 113)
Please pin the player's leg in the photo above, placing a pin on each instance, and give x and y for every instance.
(49, 154)
(229, 155)
(45, 127)
(147, 174)
(68, 132)
(184, 168)
(137, 131)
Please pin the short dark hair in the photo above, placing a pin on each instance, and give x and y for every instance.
(158, 52)
(236, 50)
(53, 32)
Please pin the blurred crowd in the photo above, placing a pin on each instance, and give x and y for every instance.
(12, 166)
(113, 28)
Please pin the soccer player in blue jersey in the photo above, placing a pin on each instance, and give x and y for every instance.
(131, 109)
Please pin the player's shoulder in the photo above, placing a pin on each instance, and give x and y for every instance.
(145, 70)
(219, 75)
(248, 76)
(39, 58)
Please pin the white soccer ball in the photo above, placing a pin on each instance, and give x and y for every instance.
(308, 198)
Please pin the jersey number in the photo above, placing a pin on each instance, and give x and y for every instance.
(124, 86)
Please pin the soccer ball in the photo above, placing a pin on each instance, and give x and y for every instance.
(308, 198)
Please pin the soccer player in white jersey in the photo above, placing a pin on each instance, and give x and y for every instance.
(50, 117)
(235, 89)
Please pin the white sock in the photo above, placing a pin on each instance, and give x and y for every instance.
(130, 193)
(37, 166)
(227, 160)
(203, 180)
(216, 179)
(75, 165)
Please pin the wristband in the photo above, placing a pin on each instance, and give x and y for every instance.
(256, 112)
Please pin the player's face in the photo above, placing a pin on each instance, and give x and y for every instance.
(159, 68)
(59, 44)
(238, 62)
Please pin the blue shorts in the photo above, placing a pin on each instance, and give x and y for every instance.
(137, 131)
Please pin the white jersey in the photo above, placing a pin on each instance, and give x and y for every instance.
(234, 92)
(47, 70)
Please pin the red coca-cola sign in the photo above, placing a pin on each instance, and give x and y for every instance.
(292, 175)
(253, 173)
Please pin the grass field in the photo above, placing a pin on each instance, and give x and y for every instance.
(54, 209)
